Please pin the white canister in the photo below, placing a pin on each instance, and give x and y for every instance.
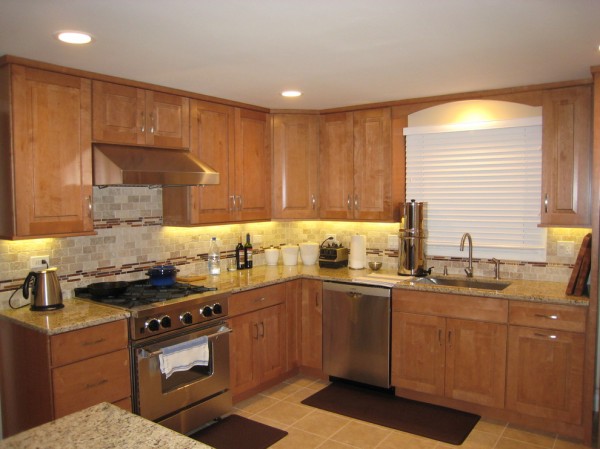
(309, 252)
(271, 256)
(289, 253)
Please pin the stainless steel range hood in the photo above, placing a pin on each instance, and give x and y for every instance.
(142, 166)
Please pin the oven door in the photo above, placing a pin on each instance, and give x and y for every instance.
(158, 397)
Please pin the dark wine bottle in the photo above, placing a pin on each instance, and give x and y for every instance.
(248, 252)
(240, 258)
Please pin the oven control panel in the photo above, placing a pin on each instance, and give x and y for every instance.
(177, 316)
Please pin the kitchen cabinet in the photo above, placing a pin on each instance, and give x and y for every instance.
(311, 327)
(567, 157)
(295, 166)
(293, 301)
(258, 340)
(451, 346)
(357, 165)
(546, 347)
(45, 143)
(133, 116)
(234, 142)
(46, 377)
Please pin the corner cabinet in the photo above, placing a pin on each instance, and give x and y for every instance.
(133, 116)
(45, 377)
(357, 166)
(295, 166)
(567, 157)
(45, 143)
(311, 327)
(234, 142)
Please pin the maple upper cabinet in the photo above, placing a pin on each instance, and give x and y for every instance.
(45, 143)
(356, 162)
(295, 166)
(133, 116)
(234, 142)
(567, 157)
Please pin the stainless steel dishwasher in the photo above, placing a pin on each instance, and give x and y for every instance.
(356, 332)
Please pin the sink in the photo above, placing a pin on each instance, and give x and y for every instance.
(464, 283)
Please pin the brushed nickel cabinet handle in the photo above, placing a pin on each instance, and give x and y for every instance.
(240, 203)
(262, 329)
(546, 203)
(255, 331)
(89, 205)
(232, 198)
(551, 336)
(349, 202)
(549, 317)
(143, 129)
(313, 201)
(95, 342)
(356, 204)
(96, 384)
(152, 123)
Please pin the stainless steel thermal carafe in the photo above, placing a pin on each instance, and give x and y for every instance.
(411, 244)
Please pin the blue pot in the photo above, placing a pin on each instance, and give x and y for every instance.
(162, 275)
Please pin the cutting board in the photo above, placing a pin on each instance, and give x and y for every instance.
(190, 278)
(581, 269)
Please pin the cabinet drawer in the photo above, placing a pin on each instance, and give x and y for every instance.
(79, 385)
(256, 299)
(548, 316)
(89, 342)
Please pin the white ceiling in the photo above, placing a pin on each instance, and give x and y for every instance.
(338, 52)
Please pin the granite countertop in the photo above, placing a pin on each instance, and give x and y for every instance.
(79, 313)
(101, 426)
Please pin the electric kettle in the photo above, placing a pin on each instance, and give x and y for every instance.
(45, 290)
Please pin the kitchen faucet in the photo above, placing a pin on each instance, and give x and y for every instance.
(469, 269)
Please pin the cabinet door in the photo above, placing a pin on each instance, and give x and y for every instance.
(212, 136)
(418, 352)
(476, 362)
(243, 360)
(52, 153)
(372, 164)
(252, 165)
(545, 373)
(119, 114)
(167, 120)
(293, 305)
(271, 328)
(567, 157)
(312, 324)
(336, 183)
(295, 166)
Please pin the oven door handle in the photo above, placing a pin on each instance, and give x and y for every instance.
(148, 354)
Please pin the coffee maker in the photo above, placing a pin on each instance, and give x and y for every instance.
(411, 244)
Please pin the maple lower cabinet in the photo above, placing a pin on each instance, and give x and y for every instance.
(134, 116)
(311, 325)
(295, 166)
(449, 349)
(546, 348)
(258, 341)
(567, 157)
(45, 143)
(235, 143)
(46, 377)
(357, 165)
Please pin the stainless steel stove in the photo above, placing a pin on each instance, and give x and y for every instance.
(162, 317)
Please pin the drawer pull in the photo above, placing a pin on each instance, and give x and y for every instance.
(551, 336)
(95, 342)
(97, 384)
(261, 299)
(549, 317)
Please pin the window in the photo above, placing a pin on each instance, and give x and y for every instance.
(484, 180)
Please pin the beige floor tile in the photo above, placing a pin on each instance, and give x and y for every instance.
(298, 439)
(301, 381)
(566, 444)
(330, 444)
(542, 439)
(507, 443)
(300, 395)
(318, 384)
(480, 440)
(281, 391)
(362, 435)
(269, 422)
(285, 412)
(490, 426)
(322, 423)
(256, 404)
(396, 440)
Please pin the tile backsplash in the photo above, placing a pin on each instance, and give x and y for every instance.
(130, 238)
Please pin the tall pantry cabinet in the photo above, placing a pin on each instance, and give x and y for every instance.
(45, 141)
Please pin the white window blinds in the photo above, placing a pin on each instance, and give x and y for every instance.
(484, 181)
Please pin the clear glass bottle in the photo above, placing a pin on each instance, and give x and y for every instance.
(214, 257)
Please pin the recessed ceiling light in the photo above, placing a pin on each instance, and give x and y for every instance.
(73, 37)
(291, 93)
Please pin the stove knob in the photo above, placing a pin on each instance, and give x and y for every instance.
(165, 321)
(186, 318)
(153, 325)
(217, 309)
(207, 311)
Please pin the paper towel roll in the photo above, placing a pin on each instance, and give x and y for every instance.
(358, 252)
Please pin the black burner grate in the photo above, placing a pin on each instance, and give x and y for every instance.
(140, 293)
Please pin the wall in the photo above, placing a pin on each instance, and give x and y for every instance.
(130, 238)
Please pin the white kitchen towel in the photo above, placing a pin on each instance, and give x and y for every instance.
(358, 252)
(183, 356)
